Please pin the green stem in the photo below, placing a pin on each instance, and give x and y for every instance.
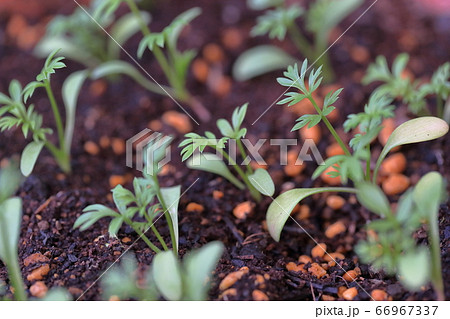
(255, 194)
(56, 114)
(141, 235)
(158, 235)
(329, 126)
(299, 40)
(166, 215)
(61, 157)
(440, 106)
(159, 55)
(436, 271)
(16, 279)
(244, 155)
(368, 165)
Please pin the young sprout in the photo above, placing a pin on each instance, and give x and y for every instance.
(347, 166)
(148, 201)
(10, 221)
(15, 113)
(258, 182)
(280, 22)
(391, 245)
(167, 277)
(100, 52)
(398, 84)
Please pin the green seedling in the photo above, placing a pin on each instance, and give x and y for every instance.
(10, 220)
(15, 113)
(167, 277)
(391, 245)
(100, 52)
(397, 84)
(280, 22)
(348, 167)
(258, 182)
(141, 208)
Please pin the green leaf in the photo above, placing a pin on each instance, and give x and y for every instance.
(10, 219)
(167, 275)
(238, 116)
(263, 4)
(198, 266)
(399, 64)
(10, 179)
(92, 214)
(67, 48)
(211, 163)
(70, 92)
(280, 209)
(373, 198)
(171, 197)
(276, 22)
(121, 67)
(248, 65)
(29, 157)
(414, 268)
(417, 130)
(174, 29)
(428, 193)
(225, 128)
(114, 226)
(123, 29)
(262, 181)
(57, 294)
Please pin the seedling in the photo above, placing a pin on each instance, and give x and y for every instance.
(398, 84)
(167, 277)
(348, 166)
(15, 113)
(390, 245)
(10, 220)
(148, 201)
(320, 18)
(258, 182)
(100, 52)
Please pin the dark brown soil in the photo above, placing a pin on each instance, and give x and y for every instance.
(53, 201)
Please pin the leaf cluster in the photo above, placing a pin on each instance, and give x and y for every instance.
(397, 84)
(167, 277)
(275, 23)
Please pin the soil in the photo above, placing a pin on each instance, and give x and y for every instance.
(53, 201)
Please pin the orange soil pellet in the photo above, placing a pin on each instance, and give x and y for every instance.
(335, 202)
(314, 133)
(34, 259)
(379, 295)
(335, 256)
(91, 148)
(222, 86)
(258, 295)
(126, 240)
(319, 250)
(304, 259)
(242, 210)
(213, 53)
(395, 184)
(98, 88)
(316, 270)
(327, 179)
(229, 293)
(388, 127)
(115, 180)
(335, 229)
(328, 298)
(394, 164)
(194, 207)
(341, 291)
(178, 121)
(350, 275)
(291, 266)
(38, 289)
(232, 38)
(200, 70)
(231, 278)
(359, 54)
(293, 168)
(217, 195)
(39, 273)
(350, 293)
(118, 146)
(334, 149)
(303, 212)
